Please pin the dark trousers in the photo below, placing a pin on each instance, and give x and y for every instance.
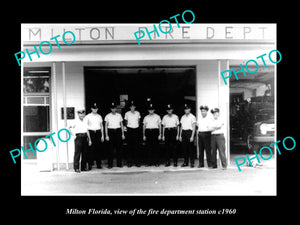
(171, 147)
(94, 151)
(152, 145)
(133, 142)
(80, 151)
(187, 147)
(204, 140)
(115, 142)
(218, 142)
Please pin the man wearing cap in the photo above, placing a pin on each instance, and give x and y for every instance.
(82, 139)
(114, 134)
(204, 136)
(217, 139)
(132, 119)
(95, 126)
(170, 133)
(186, 135)
(152, 134)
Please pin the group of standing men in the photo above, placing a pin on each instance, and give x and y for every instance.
(90, 132)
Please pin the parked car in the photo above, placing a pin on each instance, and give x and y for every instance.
(261, 133)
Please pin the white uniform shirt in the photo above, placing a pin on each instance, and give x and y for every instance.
(113, 120)
(132, 119)
(204, 123)
(79, 126)
(188, 121)
(170, 121)
(94, 120)
(215, 123)
(152, 121)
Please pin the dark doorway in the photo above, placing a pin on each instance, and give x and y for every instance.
(162, 85)
(252, 109)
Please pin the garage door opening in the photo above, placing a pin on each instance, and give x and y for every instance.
(252, 123)
(163, 85)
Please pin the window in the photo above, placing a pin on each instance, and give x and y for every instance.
(36, 105)
(36, 84)
(36, 118)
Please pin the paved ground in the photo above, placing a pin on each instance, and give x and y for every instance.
(152, 181)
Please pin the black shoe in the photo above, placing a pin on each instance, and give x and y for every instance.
(200, 166)
(192, 165)
(85, 169)
(99, 167)
(77, 170)
(90, 168)
(119, 165)
(175, 164)
(109, 166)
(184, 165)
(167, 164)
(156, 165)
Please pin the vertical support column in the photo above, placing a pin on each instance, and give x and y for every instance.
(207, 84)
(22, 110)
(223, 102)
(219, 106)
(218, 77)
(54, 107)
(197, 111)
(228, 118)
(65, 109)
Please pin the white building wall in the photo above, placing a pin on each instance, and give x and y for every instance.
(212, 91)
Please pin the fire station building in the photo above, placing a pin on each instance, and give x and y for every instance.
(106, 63)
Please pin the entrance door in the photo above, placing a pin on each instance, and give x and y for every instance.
(36, 106)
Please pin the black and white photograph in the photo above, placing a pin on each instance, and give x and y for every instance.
(165, 109)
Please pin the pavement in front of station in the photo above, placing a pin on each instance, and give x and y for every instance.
(161, 180)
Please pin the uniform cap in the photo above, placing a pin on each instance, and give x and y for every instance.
(169, 106)
(150, 106)
(113, 105)
(204, 107)
(215, 110)
(132, 103)
(187, 106)
(94, 106)
(81, 110)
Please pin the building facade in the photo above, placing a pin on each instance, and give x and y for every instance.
(183, 65)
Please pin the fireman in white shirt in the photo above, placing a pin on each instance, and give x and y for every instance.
(114, 134)
(186, 135)
(152, 135)
(170, 133)
(79, 129)
(132, 119)
(217, 139)
(95, 126)
(204, 136)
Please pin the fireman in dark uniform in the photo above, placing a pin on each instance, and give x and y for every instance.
(114, 134)
(187, 135)
(132, 119)
(170, 133)
(152, 135)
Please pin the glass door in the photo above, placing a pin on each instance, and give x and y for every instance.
(36, 106)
